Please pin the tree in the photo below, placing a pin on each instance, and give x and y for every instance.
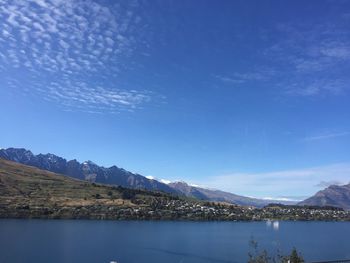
(128, 194)
(255, 256)
(294, 257)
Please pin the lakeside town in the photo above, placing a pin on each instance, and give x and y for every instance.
(183, 210)
(27, 192)
(160, 208)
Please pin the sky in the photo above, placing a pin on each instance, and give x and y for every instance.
(250, 97)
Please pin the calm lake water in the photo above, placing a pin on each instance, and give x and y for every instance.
(165, 242)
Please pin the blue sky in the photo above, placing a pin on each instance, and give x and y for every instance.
(250, 97)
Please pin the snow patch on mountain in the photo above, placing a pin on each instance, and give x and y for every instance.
(164, 181)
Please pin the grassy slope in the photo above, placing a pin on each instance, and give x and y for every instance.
(26, 184)
(26, 191)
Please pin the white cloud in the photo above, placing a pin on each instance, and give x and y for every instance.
(70, 48)
(324, 184)
(41, 3)
(299, 182)
(64, 44)
(283, 199)
(336, 50)
(82, 96)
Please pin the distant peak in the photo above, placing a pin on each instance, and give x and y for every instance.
(180, 183)
(18, 150)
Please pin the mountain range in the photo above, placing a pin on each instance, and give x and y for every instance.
(114, 175)
(332, 196)
(84, 171)
(30, 192)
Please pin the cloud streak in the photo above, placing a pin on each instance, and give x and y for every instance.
(326, 136)
(308, 59)
(259, 75)
(314, 56)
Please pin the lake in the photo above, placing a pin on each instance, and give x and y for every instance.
(165, 242)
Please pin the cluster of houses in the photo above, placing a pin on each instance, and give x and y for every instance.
(182, 209)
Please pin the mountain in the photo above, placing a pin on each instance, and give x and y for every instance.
(118, 176)
(29, 192)
(84, 171)
(334, 195)
(26, 191)
(220, 196)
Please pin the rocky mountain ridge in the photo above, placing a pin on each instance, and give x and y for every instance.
(334, 195)
(84, 171)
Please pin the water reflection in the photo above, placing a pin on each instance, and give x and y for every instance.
(274, 224)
